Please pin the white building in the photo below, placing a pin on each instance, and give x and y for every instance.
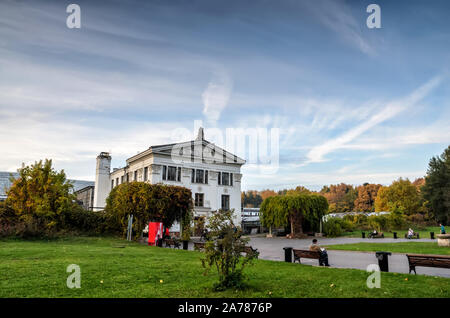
(211, 173)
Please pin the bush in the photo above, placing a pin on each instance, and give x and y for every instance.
(83, 221)
(336, 226)
(223, 251)
(395, 221)
(377, 222)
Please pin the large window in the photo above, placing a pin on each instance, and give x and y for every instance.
(171, 173)
(225, 178)
(135, 176)
(199, 176)
(145, 173)
(225, 202)
(198, 199)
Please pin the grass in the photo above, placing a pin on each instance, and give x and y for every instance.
(401, 247)
(115, 268)
(425, 233)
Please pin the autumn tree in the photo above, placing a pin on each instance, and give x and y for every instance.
(299, 190)
(401, 195)
(40, 195)
(251, 199)
(367, 193)
(267, 193)
(437, 186)
(341, 197)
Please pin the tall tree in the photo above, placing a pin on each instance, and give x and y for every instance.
(401, 195)
(40, 194)
(267, 193)
(341, 197)
(437, 186)
(297, 210)
(367, 193)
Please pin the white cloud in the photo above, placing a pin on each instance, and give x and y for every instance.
(337, 16)
(216, 96)
(390, 110)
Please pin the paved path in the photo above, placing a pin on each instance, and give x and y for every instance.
(272, 249)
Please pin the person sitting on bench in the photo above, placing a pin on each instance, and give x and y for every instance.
(323, 259)
(410, 233)
(442, 228)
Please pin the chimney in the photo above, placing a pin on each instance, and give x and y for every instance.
(201, 134)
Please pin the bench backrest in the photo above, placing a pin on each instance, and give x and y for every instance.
(442, 261)
(306, 254)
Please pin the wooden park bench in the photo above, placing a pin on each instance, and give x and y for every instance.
(378, 235)
(172, 242)
(414, 236)
(442, 261)
(198, 246)
(305, 254)
(250, 250)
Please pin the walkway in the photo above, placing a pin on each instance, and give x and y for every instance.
(272, 249)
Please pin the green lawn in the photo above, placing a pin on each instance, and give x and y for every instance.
(115, 268)
(400, 247)
(400, 233)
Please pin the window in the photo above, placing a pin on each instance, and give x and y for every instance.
(171, 173)
(145, 173)
(199, 176)
(128, 177)
(225, 202)
(121, 179)
(135, 176)
(112, 183)
(198, 199)
(225, 178)
(117, 181)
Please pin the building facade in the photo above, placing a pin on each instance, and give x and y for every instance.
(210, 172)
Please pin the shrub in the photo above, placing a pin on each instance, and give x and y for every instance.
(223, 250)
(377, 222)
(395, 220)
(336, 226)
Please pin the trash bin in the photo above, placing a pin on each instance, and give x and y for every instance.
(287, 254)
(185, 245)
(432, 235)
(395, 235)
(383, 260)
(363, 234)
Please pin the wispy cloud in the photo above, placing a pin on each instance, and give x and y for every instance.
(337, 16)
(216, 96)
(390, 110)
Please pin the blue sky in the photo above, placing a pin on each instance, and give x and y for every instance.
(352, 104)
